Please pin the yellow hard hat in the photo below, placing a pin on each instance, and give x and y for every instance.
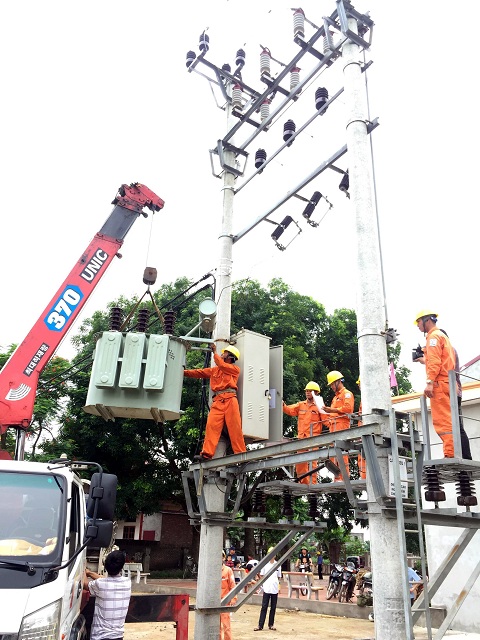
(333, 376)
(270, 549)
(233, 350)
(423, 313)
(358, 380)
(312, 386)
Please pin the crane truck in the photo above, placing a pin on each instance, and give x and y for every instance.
(47, 522)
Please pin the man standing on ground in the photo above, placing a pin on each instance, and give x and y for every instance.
(271, 588)
(309, 424)
(320, 564)
(224, 410)
(112, 597)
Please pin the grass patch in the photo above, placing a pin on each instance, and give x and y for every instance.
(166, 573)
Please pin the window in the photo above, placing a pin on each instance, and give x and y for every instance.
(129, 533)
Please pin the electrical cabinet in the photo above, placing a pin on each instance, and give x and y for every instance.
(253, 385)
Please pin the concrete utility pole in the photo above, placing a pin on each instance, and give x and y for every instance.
(207, 625)
(385, 545)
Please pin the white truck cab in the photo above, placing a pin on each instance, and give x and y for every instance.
(46, 524)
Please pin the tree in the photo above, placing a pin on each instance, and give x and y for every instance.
(149, 458)
(48, 407)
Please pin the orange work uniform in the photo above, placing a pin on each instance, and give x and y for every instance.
(343, 401)
(439, 360)
(308, 417)
(228, 583)
(224, 410)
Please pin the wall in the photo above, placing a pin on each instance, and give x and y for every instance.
(440, 540)
(172, 540)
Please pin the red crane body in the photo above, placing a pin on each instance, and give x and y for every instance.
(19, 376)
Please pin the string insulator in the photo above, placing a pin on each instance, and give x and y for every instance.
(204, 42)
(260, 159)
(321, 97)
(288, 131)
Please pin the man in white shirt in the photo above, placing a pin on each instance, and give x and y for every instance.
(270, 595)
(112, 597)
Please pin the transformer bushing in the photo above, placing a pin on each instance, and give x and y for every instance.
(142, 320)
(115, 319)
(169, 318)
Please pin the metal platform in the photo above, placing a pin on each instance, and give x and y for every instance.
(277, 487)
(449, 468)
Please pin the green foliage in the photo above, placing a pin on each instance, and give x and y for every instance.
(48, 408)
(148, 458)
(356, 547)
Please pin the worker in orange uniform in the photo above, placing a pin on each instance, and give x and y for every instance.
(439, 360)
(224, 410)
(342, 405)
(309, 424)
(228, 583)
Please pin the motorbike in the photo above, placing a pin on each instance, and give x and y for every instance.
(334, 582)
(191, 569)
(348, 583)
(304, 568)
(365, 589)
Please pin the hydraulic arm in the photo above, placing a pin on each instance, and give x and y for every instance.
(19, 376)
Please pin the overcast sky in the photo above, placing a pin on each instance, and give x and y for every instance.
(96, 94)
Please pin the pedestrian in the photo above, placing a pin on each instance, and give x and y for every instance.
(224, 410)
(309, 424)
(228, 583)
(231, 559)
(251, 563)
(342, 405)
(466, 453)
(439, 359)
(112, 597)
(304, 559)
(320, 564)
(270, 587)
(415, 584)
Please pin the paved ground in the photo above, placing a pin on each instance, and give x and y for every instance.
(290, 625)
(291, 622)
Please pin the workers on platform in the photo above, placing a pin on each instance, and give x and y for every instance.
(342, 405)
(309, 424)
